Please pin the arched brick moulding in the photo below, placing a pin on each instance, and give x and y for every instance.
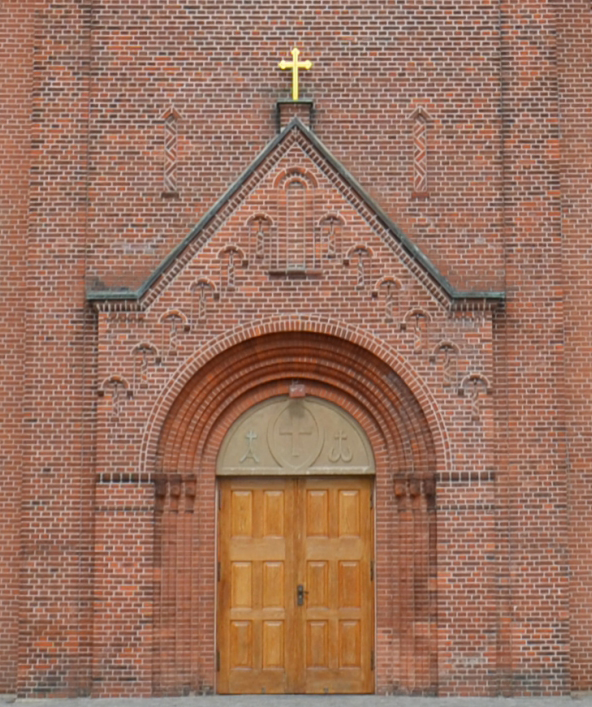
(187, 441)
(209, 396)
(337, 332)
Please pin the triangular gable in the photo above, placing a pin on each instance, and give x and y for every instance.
(296, 133)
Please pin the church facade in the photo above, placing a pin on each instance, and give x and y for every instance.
(296, 392)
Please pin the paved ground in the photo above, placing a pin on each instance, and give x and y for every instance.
(309, 701)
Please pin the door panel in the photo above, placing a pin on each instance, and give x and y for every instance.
(336, 564)
(255, 585)
(277, 534)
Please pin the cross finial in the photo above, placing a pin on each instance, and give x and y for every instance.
(295, 65)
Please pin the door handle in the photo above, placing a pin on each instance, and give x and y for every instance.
(300, 594)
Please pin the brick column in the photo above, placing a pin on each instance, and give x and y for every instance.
(530, 354)
(123, 593)
(467, 567)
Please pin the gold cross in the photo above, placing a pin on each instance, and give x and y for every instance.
(295, 65)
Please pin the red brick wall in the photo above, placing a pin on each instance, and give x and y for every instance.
(495, 191)
(56, 495)
(467, 586)
(575, 61)
(216, 63)
(16, 32)
(531, 352)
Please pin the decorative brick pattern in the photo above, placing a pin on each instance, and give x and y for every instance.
(170, 138)
(420, 152)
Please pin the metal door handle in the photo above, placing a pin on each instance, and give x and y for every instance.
(300, 594)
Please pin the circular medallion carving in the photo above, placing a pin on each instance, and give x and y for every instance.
(295, 438)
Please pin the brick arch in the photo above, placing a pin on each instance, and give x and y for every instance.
(265, 366)
(174, 399)
(208, 396)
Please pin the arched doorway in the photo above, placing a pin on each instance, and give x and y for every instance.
(366, 389)
(295, 551)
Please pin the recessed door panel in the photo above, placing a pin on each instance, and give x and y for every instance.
(273, 646)
(317, 512)
(242, 585)
(242, 513)
(241, 645)
(350, 584)
(274, 588)
(350, 654)
(274, 513)
(317, 584)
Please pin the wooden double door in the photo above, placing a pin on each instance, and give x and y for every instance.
(296, 592)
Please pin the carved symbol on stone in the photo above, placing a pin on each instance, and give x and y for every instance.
(295, 430)
(295, 439)
(341, 451)
(296, 435)
(251, 436)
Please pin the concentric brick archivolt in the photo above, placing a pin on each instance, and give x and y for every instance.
(367, 380)
(252, 363)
